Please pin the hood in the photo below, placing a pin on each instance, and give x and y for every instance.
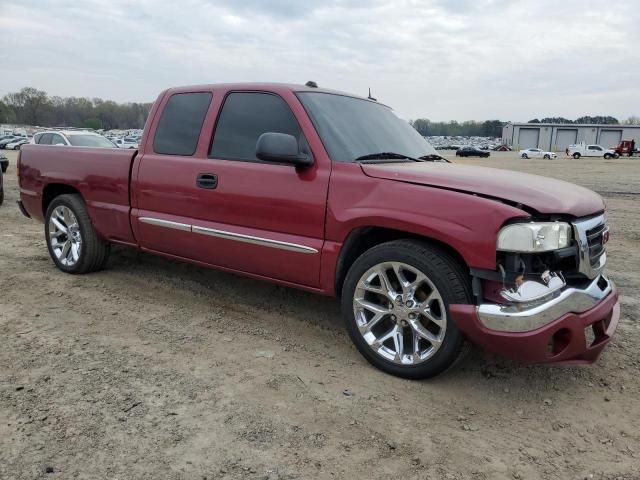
(542, 194)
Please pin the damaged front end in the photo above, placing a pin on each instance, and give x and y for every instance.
(548, 297)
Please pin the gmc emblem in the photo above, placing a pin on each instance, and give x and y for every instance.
(605, 236)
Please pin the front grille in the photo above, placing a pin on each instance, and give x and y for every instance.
(589, 234)
(595, 243)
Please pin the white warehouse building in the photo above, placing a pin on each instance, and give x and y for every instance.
(558, 136)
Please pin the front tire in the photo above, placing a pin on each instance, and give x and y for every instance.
(395, 302)
(74, 245)
(525, 156)
(547, 157)
(576, 155)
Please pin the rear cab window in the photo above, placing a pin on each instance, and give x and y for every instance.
(180, 123)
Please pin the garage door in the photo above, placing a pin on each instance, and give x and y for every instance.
(610, 138)
(564, 138)
(528, 137)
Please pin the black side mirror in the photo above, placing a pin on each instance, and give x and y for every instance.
(281, 147)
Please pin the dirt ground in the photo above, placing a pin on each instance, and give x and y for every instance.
(156, 369)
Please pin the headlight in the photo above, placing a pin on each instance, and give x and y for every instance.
(534, 237)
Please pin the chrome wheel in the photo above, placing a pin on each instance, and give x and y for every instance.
(64, 236)
(400, 313)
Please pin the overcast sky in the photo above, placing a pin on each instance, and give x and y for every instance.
(438, 59)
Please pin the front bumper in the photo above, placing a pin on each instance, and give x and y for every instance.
(573, 327)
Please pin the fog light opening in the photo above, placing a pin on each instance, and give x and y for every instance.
(558, 342)
(596, 333)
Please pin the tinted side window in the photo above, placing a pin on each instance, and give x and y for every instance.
(45, 139)
(246, 116)
(57, 140)
(180, 124)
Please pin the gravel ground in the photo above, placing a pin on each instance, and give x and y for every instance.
(158, 369)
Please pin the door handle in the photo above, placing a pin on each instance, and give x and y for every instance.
(207, 180)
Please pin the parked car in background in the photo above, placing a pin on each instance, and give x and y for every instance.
(4, 162)
(72, 138)
(10, 139)
(583, 150)
(128, 143)
(537, 153)
(335, 194)
(1, 187)
(472, 152)
(15, 145)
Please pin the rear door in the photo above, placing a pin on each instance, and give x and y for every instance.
(229, 209)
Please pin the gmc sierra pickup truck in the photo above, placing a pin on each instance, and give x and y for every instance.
(334, 194)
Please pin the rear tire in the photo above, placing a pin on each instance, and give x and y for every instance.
(74, 245)
(415, 306)
(547, 157)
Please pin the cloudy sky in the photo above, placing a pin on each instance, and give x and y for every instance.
(437, 59)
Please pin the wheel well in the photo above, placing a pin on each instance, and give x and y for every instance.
(362, 239)
(54, 190)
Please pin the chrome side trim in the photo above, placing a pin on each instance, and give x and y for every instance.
(166, 223)
(523, 318)
(265, 242)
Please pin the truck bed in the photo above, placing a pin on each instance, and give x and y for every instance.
(100, 175)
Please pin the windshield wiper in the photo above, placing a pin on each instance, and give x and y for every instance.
(432, 157)
(386, 156)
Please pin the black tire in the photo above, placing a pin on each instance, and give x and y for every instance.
(525, 156)
(94, 252)
(443, 271)
(576, 155)
(607, 156)
(547, 157)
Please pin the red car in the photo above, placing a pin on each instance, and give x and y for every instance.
(334, 194)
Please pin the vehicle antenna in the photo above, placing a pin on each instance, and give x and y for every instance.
(370, 97)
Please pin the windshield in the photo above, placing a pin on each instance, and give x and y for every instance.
(351, 127)
(89, 141)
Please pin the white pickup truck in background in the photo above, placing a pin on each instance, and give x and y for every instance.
(583, 150)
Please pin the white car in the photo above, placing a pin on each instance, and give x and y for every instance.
(537, 153)
(72, 138)
(126, 143)
(582, 150)
(16, 144)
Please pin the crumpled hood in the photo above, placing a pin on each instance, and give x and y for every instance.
(545, 195)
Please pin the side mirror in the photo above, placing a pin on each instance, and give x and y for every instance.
(281, 147)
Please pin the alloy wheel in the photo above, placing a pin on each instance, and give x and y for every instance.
(400, 313)
(64, 236)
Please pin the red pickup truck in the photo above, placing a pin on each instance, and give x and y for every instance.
(334, 194)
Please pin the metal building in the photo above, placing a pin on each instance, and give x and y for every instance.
(558, 136)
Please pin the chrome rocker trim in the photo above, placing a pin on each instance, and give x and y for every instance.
(524, 318)
(238, 237)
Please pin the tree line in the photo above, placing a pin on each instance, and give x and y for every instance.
(470, 128)
(31, 106)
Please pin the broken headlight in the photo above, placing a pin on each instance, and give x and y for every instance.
(534, 237)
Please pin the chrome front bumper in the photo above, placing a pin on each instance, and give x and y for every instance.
(526, 317)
